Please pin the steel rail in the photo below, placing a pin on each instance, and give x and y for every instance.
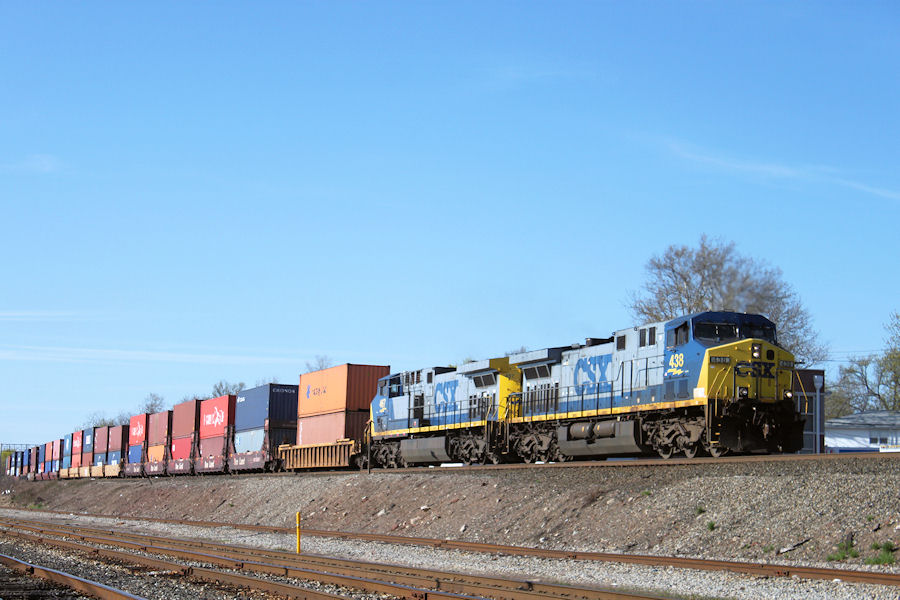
(199, 573)
(749, 568)
(430, 582)
(455, 582)
(79, 584)
(648, 461)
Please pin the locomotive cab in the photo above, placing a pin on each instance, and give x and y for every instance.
(735, 364)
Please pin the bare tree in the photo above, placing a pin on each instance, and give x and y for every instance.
(869, 382)
(98, 419)
(153, 403)
(713, 276)
(224, 388)
(265, 380)
(321, 362)
(518, 350)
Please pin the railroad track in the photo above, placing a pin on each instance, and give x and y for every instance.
(20, 582)
(396, 581)
(745, 568)
(612, 463)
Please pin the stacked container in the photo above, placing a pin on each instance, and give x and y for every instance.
(35, 457)
(101, 440)
(264, 418)
(334, 403)
(160, 424)
(185, 425)
(118, 440)
(137, 442)
(26, 462)
(67, 456)
(57, 456)
(41, 464)
(48, 459)
(216, 426)
(87, 452)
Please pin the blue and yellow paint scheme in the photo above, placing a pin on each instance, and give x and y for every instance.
(719, 378)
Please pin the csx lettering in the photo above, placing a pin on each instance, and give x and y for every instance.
(755, 369)
(591, 376)
(445, 395)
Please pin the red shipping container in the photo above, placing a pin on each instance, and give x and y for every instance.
(137, 429)
(101, 439)
(215, 415)
(181, 447)
(158, 428)
(212, 447)
(76, 460)
(342, 388)
(76, 443)
(56, 449)
(331, 427)
(87, 458)
(185, 418)
(118, 438)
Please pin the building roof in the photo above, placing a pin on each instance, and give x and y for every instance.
(882, 419)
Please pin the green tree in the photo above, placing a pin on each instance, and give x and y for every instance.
(869, 382)
(714, 276)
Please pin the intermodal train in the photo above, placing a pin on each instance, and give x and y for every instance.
(710, 382)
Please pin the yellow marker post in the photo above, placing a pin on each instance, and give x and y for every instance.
(298, 533)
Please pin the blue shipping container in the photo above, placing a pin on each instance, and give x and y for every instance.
(274, 402)
(99, 460)
(114, 458)
(41, 453)
(252, 441)
(56, 465)
(87, 440)
(66, 462)
(134, 453)
(67, 446)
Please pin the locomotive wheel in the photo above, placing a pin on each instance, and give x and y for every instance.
(717, 451)
(690, 451)
(665, 451)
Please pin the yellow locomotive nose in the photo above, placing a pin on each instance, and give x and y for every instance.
(749, 369)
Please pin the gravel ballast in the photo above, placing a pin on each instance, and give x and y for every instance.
(747, 511)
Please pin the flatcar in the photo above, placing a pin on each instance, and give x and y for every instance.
(711, 382)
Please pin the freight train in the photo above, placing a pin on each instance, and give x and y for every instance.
(711, 382)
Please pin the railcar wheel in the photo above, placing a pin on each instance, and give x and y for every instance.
(691, 450)
(665, 451)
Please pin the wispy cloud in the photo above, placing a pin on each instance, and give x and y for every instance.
(117, 355)
(35, 163)
(37, 315)
(818, 174)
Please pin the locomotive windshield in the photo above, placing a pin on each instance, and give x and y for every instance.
(723, 333)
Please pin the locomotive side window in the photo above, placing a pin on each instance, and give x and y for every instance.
(678, 336)
(651, 336)
(643, 341)
(620, 342)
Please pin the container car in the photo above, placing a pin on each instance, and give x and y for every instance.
(216, 426)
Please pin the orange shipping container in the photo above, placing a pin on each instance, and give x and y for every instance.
(331, 427)
(342, 388)
(156, 453)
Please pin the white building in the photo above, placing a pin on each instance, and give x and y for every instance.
(864, 432)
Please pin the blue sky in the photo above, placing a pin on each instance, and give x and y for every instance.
(193, 192)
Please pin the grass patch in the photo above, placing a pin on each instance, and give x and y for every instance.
(35, 506)
(645, 493)
(870, 518)
(885, 554)
(711, 525)
(845, 550)
(768, 548)
(699, 510)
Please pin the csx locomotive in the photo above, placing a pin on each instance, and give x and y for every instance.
(709, 382)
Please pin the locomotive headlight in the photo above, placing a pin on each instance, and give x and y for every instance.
(756, 350)
(743, 391)
(788, 394)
